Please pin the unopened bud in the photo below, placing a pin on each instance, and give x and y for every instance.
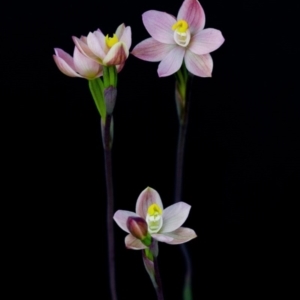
(110, 96)
(137, 227)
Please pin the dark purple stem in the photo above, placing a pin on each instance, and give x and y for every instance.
(183, 123)
(107, 142)
(159, 290)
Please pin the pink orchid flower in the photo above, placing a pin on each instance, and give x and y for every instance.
(106, 50)
(77, 66)
(163, 224)
(174, 39)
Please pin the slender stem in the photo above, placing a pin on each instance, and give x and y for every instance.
(159, 290)
(179, 161)
(183, 124)
(110, 204)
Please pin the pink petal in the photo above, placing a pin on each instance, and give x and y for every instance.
(192, 12)
(159, 25)
(81, 44)
(120, 67)
(180, 235)
(199, 65)
(174, 216)
(86, 66)
(116, 55)
(206, 41)
(121, 217)
(101, 38)
(151, 50)
(120, 30)
(133, 243)
(172, 62)
(95, 45)
(64, 62)
(162, 238)
(147, 197)
(126, 37)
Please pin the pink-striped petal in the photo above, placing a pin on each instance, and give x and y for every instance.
(121, 217)
(159, 25)
(81, 44)
(126, 37)
(206, 41)
(85, 66)
(94, 43)
(133, 243)
(174, 216)
(116, 55)
(192, 12)
(64, 62)
(172, 62)
(152, 50)
(199, 65)
(180, 236)
(120, 67)
(162, 237)
(101, 39)
(147, 197)
(120, 30)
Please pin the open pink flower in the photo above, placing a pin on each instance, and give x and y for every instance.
(106, 50)
(78, 65)
(174, 39)
(163, 224)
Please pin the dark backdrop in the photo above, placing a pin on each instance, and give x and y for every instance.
(241, 172)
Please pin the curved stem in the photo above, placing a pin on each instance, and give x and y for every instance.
(107, 141)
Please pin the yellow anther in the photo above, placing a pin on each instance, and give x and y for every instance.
(180, 26)
(110, 41)
(154, 209)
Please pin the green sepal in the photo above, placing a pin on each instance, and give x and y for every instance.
(110, 76)
(106, 78)
(149, 254)
(147, 240)
(97, 91)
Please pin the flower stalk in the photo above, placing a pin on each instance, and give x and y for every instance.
(183, 98)
(151, 266)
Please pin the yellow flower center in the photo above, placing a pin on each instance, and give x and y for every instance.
(154, 209)
(182, 34)
(110, 41)
(154, 218)
(181, 26)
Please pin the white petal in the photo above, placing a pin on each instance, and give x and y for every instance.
(174, 216)
(180, 235)
(121, 217)
(133, 243)
(162, 237)
(147, 197)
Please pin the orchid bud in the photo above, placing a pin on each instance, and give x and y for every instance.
(110, 95)
(138, 227)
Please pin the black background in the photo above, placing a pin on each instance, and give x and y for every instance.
(241, 172)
